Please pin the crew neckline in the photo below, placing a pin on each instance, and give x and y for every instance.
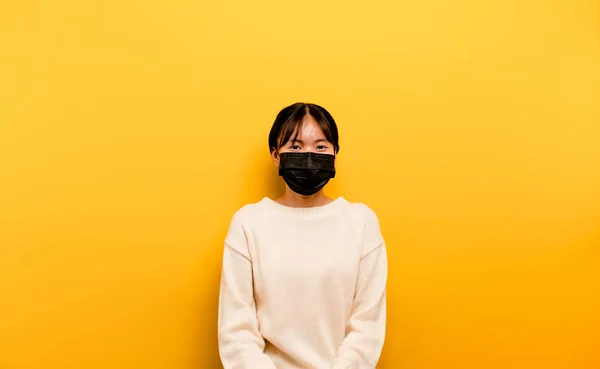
(303, 213)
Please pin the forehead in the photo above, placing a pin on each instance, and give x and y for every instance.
(309, 129)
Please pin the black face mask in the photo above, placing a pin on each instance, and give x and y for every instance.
(306, 172)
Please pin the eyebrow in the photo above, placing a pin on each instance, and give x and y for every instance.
(321, 140)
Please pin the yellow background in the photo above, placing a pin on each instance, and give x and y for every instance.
(130, 131)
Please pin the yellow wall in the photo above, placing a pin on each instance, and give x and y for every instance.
(130, 131)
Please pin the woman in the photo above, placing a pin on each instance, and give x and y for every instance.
(304, 276)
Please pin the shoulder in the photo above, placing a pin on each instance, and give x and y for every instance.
(362, 212)
(241, 221)
(366, 220)
(248, 213)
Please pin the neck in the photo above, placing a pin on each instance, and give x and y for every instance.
(292, 199)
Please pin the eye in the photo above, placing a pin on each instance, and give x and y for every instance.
(321, 147)
(295, 147)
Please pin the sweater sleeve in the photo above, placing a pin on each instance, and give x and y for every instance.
(365, 331)
(240, 344)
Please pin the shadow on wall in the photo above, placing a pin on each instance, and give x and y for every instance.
(261, 179)
(205, 348)
(275, 186)
(270, 183)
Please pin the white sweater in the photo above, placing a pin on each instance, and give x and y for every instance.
(303, 288)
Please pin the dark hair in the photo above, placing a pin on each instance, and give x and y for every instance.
(289, 120)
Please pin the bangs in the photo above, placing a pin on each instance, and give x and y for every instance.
(288, 125)
(292, 127)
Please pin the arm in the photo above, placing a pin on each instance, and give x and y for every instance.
(240, 344)
(366, 328)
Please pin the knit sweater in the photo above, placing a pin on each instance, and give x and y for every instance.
(303, 288)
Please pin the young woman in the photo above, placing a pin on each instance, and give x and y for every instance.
(304, 276)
